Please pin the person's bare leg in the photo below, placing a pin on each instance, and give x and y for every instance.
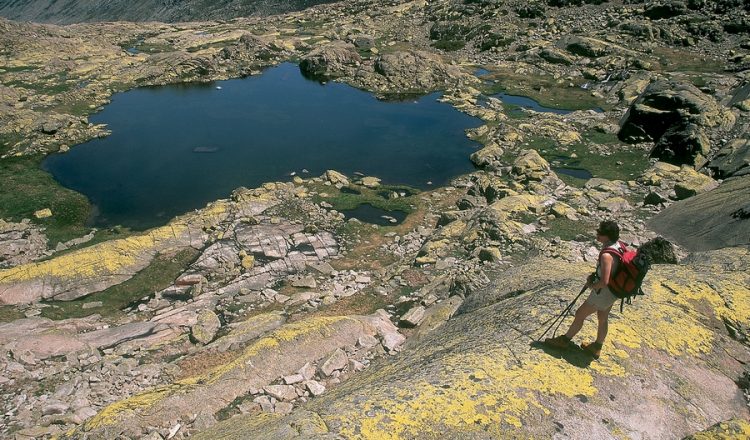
(602, 317)
(581, 314)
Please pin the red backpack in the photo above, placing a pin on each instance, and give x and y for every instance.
(625, 282)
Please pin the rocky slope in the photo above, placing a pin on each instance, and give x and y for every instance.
(76, 11)
(270, 313)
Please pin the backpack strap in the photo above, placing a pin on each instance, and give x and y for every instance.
(617, 249)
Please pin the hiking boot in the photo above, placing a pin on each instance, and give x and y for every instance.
(594, 349)
(561, 341)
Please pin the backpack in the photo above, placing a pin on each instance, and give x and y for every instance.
(625, 282)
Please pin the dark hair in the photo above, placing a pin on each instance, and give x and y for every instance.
(610, 229)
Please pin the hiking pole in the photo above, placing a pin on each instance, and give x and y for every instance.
(562, 315)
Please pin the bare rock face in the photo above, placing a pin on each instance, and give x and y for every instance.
(709, 220)
(732, 160)
(286, 350)
(330, 61)
(477, 376)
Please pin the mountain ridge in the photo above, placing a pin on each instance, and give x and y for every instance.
(78, 11)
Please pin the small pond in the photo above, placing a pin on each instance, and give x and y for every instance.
(175, 148)
(370, 214)
(517, 103)
(579, 173)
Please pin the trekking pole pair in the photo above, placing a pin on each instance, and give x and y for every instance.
(559, 319)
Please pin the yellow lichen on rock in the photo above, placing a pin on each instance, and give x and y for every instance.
(481, 392)
(112, 413)
(670, 320)
(105, 258)
(515, 204)
(118, 411)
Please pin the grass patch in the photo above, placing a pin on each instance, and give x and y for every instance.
(624, 162)
(14, 69)
(155, 48)
(7, 141)
(567, 229)
(76, 107)
(10, 313)
(53, 84)
(671, 60)
(449, 45)
(212, 45)
(346, 201)
(543, 89)
(27, 188)
(362, 303)
(158, 275)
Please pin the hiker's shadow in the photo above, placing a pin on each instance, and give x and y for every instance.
(574, 354)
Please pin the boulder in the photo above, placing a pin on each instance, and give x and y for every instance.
(555, 56)
(683, 143)
(692, 182)
(490, 254)
(43, 213)
(51, 125)
(663, 10)
(676, 116)
(414, 70)
(659, 174)
(204, 331)
(281, 392)
(413, 317)
(586, 47)
(615, 204)
(488, 156)
(315, 388)
(370, 182)
(654, 198)
(336, 178)
(330, 61)
(336, 361)
(530, 166)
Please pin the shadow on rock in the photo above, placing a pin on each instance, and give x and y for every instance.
(573, 355)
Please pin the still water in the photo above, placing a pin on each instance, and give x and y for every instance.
(175, 148)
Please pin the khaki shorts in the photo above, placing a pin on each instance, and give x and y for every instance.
(602, 300)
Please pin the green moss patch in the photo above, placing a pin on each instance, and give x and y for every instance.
(544, 89)
(622, 161)
(157, 276)
(27, 188)
(567, 229)
(672, 60)
(356, 195)
(10, 313)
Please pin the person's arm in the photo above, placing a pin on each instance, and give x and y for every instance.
(606, 265)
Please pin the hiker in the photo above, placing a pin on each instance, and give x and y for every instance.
(601, 299)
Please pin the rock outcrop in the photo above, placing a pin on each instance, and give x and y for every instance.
(282, 352)
(710, 220)
(460, 382)
(676, 116)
